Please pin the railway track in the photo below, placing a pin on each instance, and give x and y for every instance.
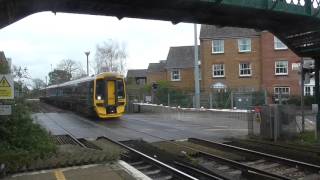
(152, 167)
(264, 167)
(266, 164)
(287, 146)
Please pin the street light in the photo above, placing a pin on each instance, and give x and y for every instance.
(87, 54)
(196, 70)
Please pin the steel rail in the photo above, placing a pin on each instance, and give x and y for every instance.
(288, 146)
(314, 167)
(66, 131)
(203, 173)
(159, 163)
(244, 167)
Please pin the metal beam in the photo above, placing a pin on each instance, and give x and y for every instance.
(282, 19)
(317, 93)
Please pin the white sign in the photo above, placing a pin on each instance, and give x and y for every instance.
(6, 86)
(296, 66)
(5, 110)
(148, 98)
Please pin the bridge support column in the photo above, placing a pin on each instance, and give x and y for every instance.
(317, 93)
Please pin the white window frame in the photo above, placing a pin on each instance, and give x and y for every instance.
(278, 44)
(172, 75)
(307, 90)
(217, 68)
(241, 43)
(281, 87)
(276, 67)
(219, 46)
(244, 69)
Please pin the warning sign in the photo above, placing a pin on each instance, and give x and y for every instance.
(6, 86)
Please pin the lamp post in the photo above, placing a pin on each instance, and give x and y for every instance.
(196, 70)
(87, 54)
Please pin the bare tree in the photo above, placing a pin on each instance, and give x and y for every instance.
(110, 57)
(38, 83)
(72, 67)
(21, 78)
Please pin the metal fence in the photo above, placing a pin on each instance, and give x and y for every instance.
(212, 100)
(276, 121)
(220, 122)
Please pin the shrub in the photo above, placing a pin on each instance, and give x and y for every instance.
(21, 140)
(296, 100)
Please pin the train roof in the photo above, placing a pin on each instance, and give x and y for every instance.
(85, 79)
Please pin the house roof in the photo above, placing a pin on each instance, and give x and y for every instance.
(212, 32)
(181, 57)
(137, 73)
(157, 67)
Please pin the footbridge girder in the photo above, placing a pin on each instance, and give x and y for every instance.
(295, 22)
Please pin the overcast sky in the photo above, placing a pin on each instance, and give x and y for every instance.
(43, 39)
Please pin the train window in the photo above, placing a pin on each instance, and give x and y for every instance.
(120, 89)
(100, 87)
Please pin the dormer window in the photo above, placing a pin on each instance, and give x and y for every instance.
(278, 45)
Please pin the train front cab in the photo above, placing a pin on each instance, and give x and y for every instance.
(109, 97)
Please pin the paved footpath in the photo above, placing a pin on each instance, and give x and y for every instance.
(91, 172)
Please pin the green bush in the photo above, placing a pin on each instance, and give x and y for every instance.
(21, 140)
(296, 100)
(177, 97)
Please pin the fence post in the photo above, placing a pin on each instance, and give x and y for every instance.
(193, 101)
(168, 99)
(210, 100)
(265, 97)
(231, 99)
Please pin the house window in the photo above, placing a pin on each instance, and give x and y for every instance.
(175, 75)
(278, 45)
(217, 46)
(281, 67)
(244, 45)
(218, 70)
(307, 91)
(284, 91)
(245, 69)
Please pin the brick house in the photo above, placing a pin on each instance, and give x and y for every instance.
(244, 59)
(135, 81)
(278, 75)
(5, 63)
(137, 77)
(230, 58)
(180, 67)
(156, 72)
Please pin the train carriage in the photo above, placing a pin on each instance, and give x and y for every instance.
(103, 95)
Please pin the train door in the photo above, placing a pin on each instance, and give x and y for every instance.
(111, 92)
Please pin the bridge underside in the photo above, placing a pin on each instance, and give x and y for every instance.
(300, 32)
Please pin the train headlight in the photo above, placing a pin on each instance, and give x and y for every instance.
(99, 97)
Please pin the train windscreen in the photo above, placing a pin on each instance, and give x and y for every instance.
(100, 87)
(120, 89)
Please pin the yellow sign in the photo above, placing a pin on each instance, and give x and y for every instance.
(6, 87)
